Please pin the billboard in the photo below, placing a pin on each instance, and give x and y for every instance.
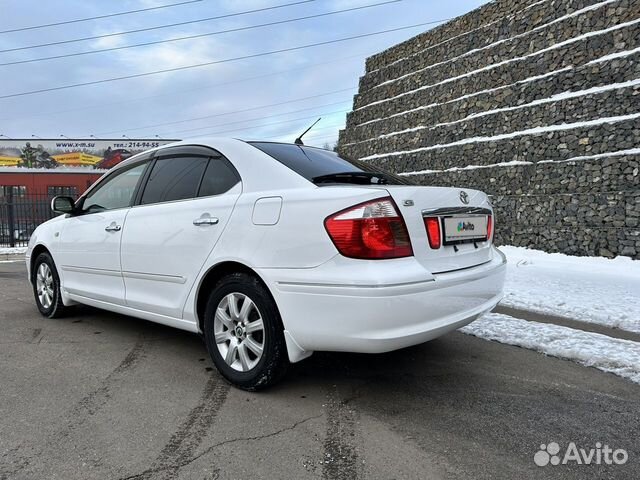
(75, 153)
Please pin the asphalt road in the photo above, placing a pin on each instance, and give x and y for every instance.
(99, 395)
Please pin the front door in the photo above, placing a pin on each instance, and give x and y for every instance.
(88, 253)
(186, 204)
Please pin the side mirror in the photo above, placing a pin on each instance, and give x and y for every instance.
(62, 204)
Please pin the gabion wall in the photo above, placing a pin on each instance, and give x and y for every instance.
(535, 102)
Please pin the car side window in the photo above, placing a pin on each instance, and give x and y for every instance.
(116, 191)
(174, 178)
(220, 177)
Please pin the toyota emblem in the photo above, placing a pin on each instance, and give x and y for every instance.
(464, 197)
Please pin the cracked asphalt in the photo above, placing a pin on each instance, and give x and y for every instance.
(103, 396)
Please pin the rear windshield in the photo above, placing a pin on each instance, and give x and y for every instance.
(324, 167)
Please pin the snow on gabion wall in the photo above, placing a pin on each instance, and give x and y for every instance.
(535, 102)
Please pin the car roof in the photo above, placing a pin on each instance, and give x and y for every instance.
(205, 141)
(288, 143)
(246, 158)
(217, 143)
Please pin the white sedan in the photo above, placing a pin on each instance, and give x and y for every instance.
(271, 251)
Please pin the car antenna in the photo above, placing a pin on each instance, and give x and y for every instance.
(299, 139)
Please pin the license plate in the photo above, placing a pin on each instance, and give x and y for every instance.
(461, 229)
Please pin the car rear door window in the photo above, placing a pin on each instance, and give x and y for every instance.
(322, 166)
(174, 178)
(220, 177)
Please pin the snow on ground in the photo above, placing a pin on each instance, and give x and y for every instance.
(12, 250)
(589, 289)
(621, 357)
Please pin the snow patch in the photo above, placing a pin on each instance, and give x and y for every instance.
(613, 56)
(554, 98)
(464, 97)
(613, 355)
(499, 42)
(534, 4)
(589, 289)
(422, 52)
(630, 151)
(468, 167)
(520, 133)
(618, 153)
(505, 62)
(13, 250)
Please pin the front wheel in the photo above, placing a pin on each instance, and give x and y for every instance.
(46, 287)
(244, 333)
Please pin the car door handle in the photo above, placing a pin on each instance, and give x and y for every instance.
(205, 221)
(113, 228)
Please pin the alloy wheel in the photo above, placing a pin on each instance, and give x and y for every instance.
(44, 285)
(239, 332)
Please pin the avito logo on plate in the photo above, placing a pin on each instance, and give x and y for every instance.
(465, 226)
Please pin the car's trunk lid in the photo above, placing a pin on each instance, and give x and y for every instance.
(452, 207)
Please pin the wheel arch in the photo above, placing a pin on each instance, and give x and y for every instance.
(213, 275)
(35, 253)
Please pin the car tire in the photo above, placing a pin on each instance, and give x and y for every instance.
(46, 287)
(245, 340)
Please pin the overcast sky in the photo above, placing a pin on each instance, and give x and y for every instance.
(135, 107)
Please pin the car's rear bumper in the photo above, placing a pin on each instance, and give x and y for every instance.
(377, 317)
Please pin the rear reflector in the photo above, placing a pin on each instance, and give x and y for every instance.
(433, 232)
(371, 230)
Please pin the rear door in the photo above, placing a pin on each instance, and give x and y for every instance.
(177, 220)
(88, 250)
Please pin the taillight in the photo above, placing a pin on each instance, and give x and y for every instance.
(370, 230)
(433, 231)
(489, 227)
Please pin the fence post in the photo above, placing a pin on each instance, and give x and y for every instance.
(11, 217)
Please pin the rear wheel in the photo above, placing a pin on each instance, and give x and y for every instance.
(46, 287)
(244, 334)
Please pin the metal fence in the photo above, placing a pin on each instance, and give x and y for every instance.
(20, 214)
